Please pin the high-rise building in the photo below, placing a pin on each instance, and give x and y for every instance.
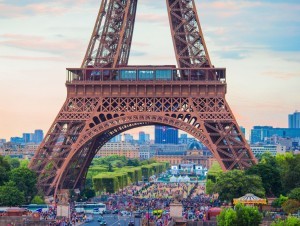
(166, 135)
(128, 137)
(259, 134)
(294, 120)
(17, 140)
(117, 138)
(27, 137)
(2, 141)
(38, 136)
(243, 130)
(147, 137)
(142, 137)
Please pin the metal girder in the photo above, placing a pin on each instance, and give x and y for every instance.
(110, 42)
(188, 40)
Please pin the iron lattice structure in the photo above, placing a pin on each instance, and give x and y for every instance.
(106, 97)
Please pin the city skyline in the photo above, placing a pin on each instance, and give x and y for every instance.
(261, 55)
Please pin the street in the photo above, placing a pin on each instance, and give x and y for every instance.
(113, 220)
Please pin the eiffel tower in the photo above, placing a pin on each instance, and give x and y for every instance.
(106, 97)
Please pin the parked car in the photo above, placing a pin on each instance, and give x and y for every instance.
(116, 211)
(131, 223)
(103, 222)
(100, 219)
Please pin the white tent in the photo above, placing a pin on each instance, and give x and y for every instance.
(186, 179)
(173, 179)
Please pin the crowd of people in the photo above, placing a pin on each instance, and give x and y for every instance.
(150, 197)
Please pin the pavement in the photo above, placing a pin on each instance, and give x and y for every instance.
(113, 220)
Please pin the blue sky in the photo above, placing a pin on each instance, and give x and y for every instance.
(257, 41)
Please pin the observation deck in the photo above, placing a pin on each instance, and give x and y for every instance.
(146, 81)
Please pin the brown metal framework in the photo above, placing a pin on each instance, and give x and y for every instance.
(106, 97)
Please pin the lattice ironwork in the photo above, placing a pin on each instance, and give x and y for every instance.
(100, 104)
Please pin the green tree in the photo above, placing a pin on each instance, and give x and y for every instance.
(24, 163)
(279, 201)
(4, 176)
(88, 193)
(289, 166)
(10, 195)
(240, 216)
(25, 180)
(37, 200)
(236, 183)
(110, 168)
(210, 187)
(4, 163)
(294, 194)
(291, 206)
(270, 176)
(290, 221)
(227, 217)
(14, 163)
(4, 170)
(248, 215)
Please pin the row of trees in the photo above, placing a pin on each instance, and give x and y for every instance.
(120, 178)
(17, 183)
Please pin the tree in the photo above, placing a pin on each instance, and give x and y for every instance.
(37, 200)
(294, 194)
(4, 170)
(4, 163)
(291, 206)
(14, 163)
(289, 166)
(210, 186)
(25, 180)
(247, 215)
(227, 217)
(110, 168)
(277, 203)
(290, 221)
(241, 216)
(236, 183)
(270, 176)
(10, 195)
(3, 175)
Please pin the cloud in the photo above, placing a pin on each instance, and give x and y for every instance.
(231, 54)
(31, 58)
(281, 75)
(67, 47)
(153, 18)
(137, 53)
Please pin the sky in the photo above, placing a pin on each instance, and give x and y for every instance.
(258, 41)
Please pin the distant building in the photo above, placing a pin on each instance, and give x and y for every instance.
(117, 138)
(2, 141)
(38, 136)
(17, 140)
(119, 148)
(273, 149)
(142, 137)
(192, 154)
(128, 137)
(27, 137)
(147, 138)
(144, 152)
(243, 130)
(294, 120)
(259, 134)
(166, 135)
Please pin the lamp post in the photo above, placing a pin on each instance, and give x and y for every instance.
(148, 212)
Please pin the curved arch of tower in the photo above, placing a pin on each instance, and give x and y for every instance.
(105, 97)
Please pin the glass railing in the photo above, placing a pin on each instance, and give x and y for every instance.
(145, 74)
